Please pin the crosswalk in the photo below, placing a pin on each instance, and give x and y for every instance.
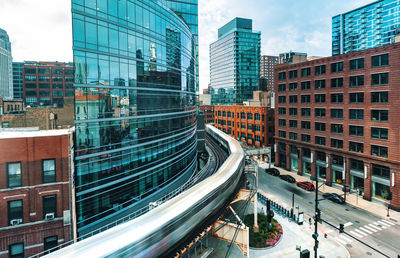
(361, 231)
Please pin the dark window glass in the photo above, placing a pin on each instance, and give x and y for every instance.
(356, 97)
(337, 67)
(319, 84)
(320, 140)
(49, 171)
(282, 87)
(293, 123)
(357, 81)
(30, 70)
(356, 64)
(356, 114)
(305, 72)
(336, 143)
(337, 83)
(337, 128)
(305, 98)
(320, 112)
(321, 69)
(293, 111)
(282, 99)
(337, 160)
(381, 171)
(16, 250)
(282, 134)
(320, 127)
(249, 116)
(258, 117)
(306, 125)
(50, 205)
(15, 212)
(380, 97)
(293, 86)
(356, 147)
(306, 112)
(50, 242)
(305, 138)
(355, 130)
(14, 175)
(293, 74)
(337, 98)
(380, 79)
(379, 133)
(337, 113)
(319, 98)
(380, 60)
(293, 99)
(282, 76)
(379, 151)
(356, 165)
(282, 111)
(306, 85)
(282, 122)
(380, 115)
(293, 136)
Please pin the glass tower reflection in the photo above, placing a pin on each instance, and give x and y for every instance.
(134, 103)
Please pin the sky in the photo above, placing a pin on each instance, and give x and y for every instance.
(40, 30)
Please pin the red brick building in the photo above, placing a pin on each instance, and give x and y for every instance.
(47, 83)
(267, 65)
(338, 118)
(35, 191)
(250, 124)
(208, 113)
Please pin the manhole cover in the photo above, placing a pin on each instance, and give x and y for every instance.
(357, 221)
(369, 253)
(349, 245)
(310, 202)
(347, 209)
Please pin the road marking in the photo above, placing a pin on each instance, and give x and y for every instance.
(357, 235)
(340, 241)
(373, 230)
(363, 229)
(388, 222)
(375, 227)
(348, 240)
(348, 224)
(329, 231)
(359, 231)
(384, 225)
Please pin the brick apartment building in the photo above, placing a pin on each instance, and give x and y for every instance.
(35, 190)
(267, 71)
(250, 124)
(338, 118)
(208, 113)
(47, 83)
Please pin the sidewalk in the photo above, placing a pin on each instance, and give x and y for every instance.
(377, 209)
(300, 235)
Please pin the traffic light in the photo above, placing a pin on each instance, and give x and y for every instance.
(341, 228)
(318, 216)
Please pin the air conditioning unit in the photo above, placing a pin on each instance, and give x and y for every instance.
(49, 216)
(14, 222)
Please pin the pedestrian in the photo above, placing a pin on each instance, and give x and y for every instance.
(309, 222)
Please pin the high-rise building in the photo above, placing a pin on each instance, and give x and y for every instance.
(337, 119)
(267, 70)
(369, 26)
(18, 68)
(135, 106)
(235, 62)
(188, 10)
(6, 89)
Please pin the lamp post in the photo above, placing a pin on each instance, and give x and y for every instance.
(255, 196)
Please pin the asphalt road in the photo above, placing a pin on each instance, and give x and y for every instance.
(383, 235)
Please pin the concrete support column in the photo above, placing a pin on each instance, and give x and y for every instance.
(300, 161)
(288, 158)
(329, 170)
(395, 189)
(367, 181)
(313, 164)
(275, 146)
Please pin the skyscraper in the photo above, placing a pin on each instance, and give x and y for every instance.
(135, 108)
(369, 26)
(18, 68)
(6, 89)
(267, 70)
(235, 62)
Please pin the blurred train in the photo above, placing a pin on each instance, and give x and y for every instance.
(159, 231)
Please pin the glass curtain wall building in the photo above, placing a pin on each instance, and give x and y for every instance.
(134, 104)
(369, 26)
(6, 89)
(18, 79)
(235, 62)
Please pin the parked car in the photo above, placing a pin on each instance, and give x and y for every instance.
(334, 197)
(273, 171)
(306, 185)
(288, 178)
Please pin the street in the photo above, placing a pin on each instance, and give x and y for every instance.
(382, 234)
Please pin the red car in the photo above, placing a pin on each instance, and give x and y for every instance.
(306, 185)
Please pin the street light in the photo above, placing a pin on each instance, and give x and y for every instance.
(255, 196)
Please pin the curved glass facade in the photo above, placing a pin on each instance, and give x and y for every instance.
(135, 105)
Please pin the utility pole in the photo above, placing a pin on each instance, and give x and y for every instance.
(315, 235)
(255, 196)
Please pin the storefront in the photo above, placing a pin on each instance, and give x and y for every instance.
(321, 170)
(282, 155)
(357, 180)
(380, 181)
(306, 165)
(337, 175)
(294, 159)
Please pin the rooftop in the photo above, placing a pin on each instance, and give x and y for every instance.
(30, 132)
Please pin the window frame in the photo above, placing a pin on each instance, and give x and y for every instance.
(8, 174)
(43, 171)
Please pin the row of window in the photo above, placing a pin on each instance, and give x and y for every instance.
(376, 150)
(244, 136)
(17, 250)
(250, 127)
(14, 173)
(337, 113)
(69, 71)
(336, 98)
(355, 64)
(354, 81)
(242, 115)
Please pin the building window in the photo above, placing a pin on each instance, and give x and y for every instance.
(356, 97)
(243, 125)
(281, 111)
(380, 97)
(379, 133)
(282, 99)
(337, 98)
(293, 123)
(319, 84)
(293, 136)
(320, 140)
(337, 160)
(249, 127)
(337, 113)
(337, 67)
(357, 81)
(15, 212)
(293, 86)
(320, 112)
(293, 99)
(337, 83)
(49, 171)
(380, 79)
(380, 115)
(357, 165)
(257, 128)
(242, 115)
(355, 130)
(229, 114)
(305, 125)
(50, 242)
(282, 122)
(357, 64)
(16, 250)
(305, 99)
(379, 151)
(50, 205)
(381, 171)
(336, 143)
(356, 147)
(319, 98)
(306, 85)
(282, 134)
(282, 76)
(305, 72)
(356, 114)
(380, 60)
(249, 116)
(257, 116)
(306, 112)
(14, 175)
(292, 74)
(223, 113)
(320, 69)
(282, 87)
(337, 128)
(219, 113)
(320, 127)
(305, 138)
(293, 111)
